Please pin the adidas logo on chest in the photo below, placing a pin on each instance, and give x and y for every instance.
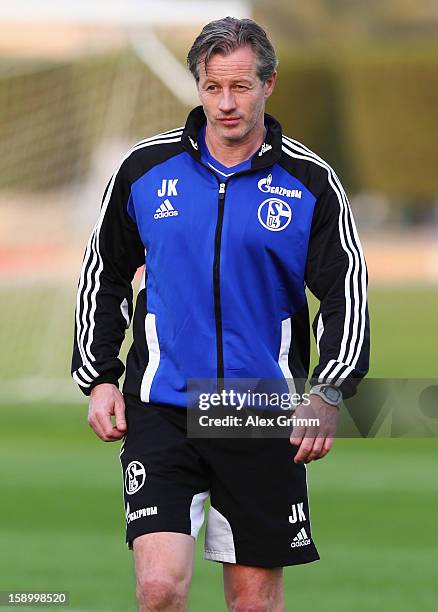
(165, 210)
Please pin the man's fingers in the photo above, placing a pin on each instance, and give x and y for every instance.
(96, 427)
(317, 447)
(303, 450)
(105, 423)
(328, 443)
(115, 435)
(119, 411)
(312, 449)
(106, 401)
(107, 432)
(297, 435)
(314, 441)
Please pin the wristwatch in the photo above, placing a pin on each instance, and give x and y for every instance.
(329, 393)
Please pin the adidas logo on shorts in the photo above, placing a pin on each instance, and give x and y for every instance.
(301, 539)
(165, 210)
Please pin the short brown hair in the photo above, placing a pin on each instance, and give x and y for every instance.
(225, 36)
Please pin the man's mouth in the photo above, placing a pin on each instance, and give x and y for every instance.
(229, 120)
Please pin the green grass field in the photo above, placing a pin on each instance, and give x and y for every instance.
(373, 502)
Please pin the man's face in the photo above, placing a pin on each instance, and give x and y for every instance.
(232, 94)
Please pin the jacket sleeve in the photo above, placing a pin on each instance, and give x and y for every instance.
(336, 274)
(104, 299)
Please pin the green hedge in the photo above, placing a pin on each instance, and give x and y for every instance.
(391, 120)
(372, 114)
(306, 102)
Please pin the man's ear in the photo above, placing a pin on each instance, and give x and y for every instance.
(270, 84)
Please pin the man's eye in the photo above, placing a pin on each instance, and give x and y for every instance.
(211, 88)
(241, 87)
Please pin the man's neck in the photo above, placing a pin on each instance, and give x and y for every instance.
(230, 152)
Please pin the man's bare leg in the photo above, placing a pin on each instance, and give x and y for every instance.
(253, 589)
(163, 571)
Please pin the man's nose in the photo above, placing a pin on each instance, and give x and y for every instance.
(227, 102)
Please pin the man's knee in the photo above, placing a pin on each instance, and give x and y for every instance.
(252, 589)
(163, 568)
(252, 598)
(250, 603)
(158, 592)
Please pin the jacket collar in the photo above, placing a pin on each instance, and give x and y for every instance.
(268, 154)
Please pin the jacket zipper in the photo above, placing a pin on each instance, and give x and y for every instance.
(216, 275)
(216, 280)
(216, 272)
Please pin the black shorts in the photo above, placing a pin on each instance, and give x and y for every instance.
(259, 511)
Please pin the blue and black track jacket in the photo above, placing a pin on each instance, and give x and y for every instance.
(226, 263)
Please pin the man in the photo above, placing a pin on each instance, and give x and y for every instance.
(232, 220)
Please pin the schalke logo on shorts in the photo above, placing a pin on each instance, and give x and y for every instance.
(135, 476)
(275, 214)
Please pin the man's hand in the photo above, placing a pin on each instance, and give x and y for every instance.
(316, 441)
(106, 401)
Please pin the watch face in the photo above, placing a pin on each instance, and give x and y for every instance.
(331, 393)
